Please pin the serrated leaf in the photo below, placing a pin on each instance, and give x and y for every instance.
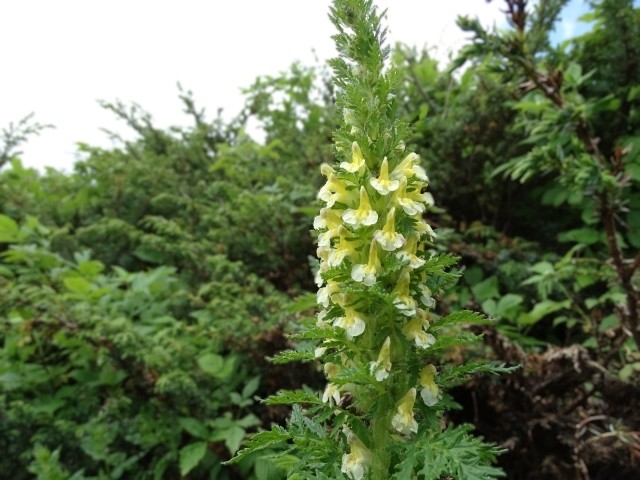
(292, 397)
(191, 456)
(464, 316)
(405, 469)
(288, 356)
(303, 303)
(275, 437)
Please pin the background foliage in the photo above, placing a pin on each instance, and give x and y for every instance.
(141, 293)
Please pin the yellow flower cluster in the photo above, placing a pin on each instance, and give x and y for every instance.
(369, 220)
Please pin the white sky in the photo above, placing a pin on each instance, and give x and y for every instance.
(59, 57)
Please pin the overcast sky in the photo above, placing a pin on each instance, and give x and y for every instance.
(59, 57)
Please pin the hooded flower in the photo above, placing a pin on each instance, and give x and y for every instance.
(331, 369)
(425, 296)
(368, 273)
(402, 296)
(411, 203)
(352, 323)
(364, 215)
(414, 331)
(388, 238)
(324, 294)
(357, 160)
(381, 367)
(408, 253)
(423, 227)
(331, 220)
(409, 167)
(345, 248)
(383, 184)
(323, 254)
(430, 392)
(331, 394)
(403, 420)
(335, 189)
(356, 463)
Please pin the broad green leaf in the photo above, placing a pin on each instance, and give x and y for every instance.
(194, 427)
(507, 303)
(233, 439)
(9, 230)
(585, 236)
(250, 387)
(542, 268)
(541, 310)
(77, 284)
(490, 307)
(191, 456)
(610, 321)
(211, 363)
(486, 289)
(90, 268)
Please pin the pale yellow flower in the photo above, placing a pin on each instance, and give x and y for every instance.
(356, 463)
(331, 369)
(410, 203)
(364, 215)
(331, 220)
(425, 297)
(383, 184)
(323, 254)
(403, 420)
(388, 238)
(334, 190)
(409, 167)
(423, 227)
(357, 160)
(368, 273)
(408, 253)
(414, 331)
(402, 295)
(346, 247)
(352, 322)
(381, 367)
(430, 392)
(331, 394)
(324, 294)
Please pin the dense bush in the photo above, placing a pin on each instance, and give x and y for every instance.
(141, 293)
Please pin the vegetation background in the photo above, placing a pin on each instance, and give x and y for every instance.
(142, 294)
